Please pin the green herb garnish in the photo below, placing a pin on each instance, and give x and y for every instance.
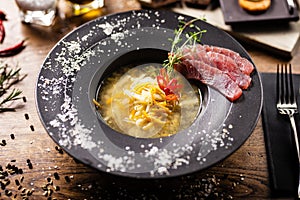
(192, 38)
(9, 77)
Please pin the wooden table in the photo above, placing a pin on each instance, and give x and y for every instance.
(49, 173)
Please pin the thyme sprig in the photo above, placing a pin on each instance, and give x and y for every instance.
(9, 77)
(192, 38)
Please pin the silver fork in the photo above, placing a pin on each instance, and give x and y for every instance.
(286, 102)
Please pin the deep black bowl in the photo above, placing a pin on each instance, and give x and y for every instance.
(70, 78)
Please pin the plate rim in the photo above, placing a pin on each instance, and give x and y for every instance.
(130, 12)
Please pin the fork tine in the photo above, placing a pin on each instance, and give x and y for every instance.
(282, 86)
(292, 96)
(286, 78)
(277, 84)
(278, 88)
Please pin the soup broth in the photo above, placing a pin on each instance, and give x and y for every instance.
(131, 102)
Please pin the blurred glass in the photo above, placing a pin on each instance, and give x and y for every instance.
(40, 12)
(80, 7)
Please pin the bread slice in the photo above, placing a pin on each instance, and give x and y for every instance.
(255, 5)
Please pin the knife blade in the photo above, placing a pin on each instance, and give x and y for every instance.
(291, 6)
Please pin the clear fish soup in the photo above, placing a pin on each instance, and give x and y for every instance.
(131, 102)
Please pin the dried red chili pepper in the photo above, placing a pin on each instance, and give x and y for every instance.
(2, 31)
(2, 15)
(12, 50)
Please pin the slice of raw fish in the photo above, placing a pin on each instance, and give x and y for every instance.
(220, 61)
(194, 53)
(229, 66)
(245, 65)
(195, 69)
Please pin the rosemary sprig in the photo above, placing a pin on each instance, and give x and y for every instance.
(192, 38)
(9, 77)
(14, 95)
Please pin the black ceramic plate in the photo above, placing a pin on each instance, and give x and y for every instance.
(278, 12)
(73, 70)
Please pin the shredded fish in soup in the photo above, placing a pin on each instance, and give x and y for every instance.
(132, 103)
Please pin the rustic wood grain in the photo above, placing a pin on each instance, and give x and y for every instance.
(244, 174)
